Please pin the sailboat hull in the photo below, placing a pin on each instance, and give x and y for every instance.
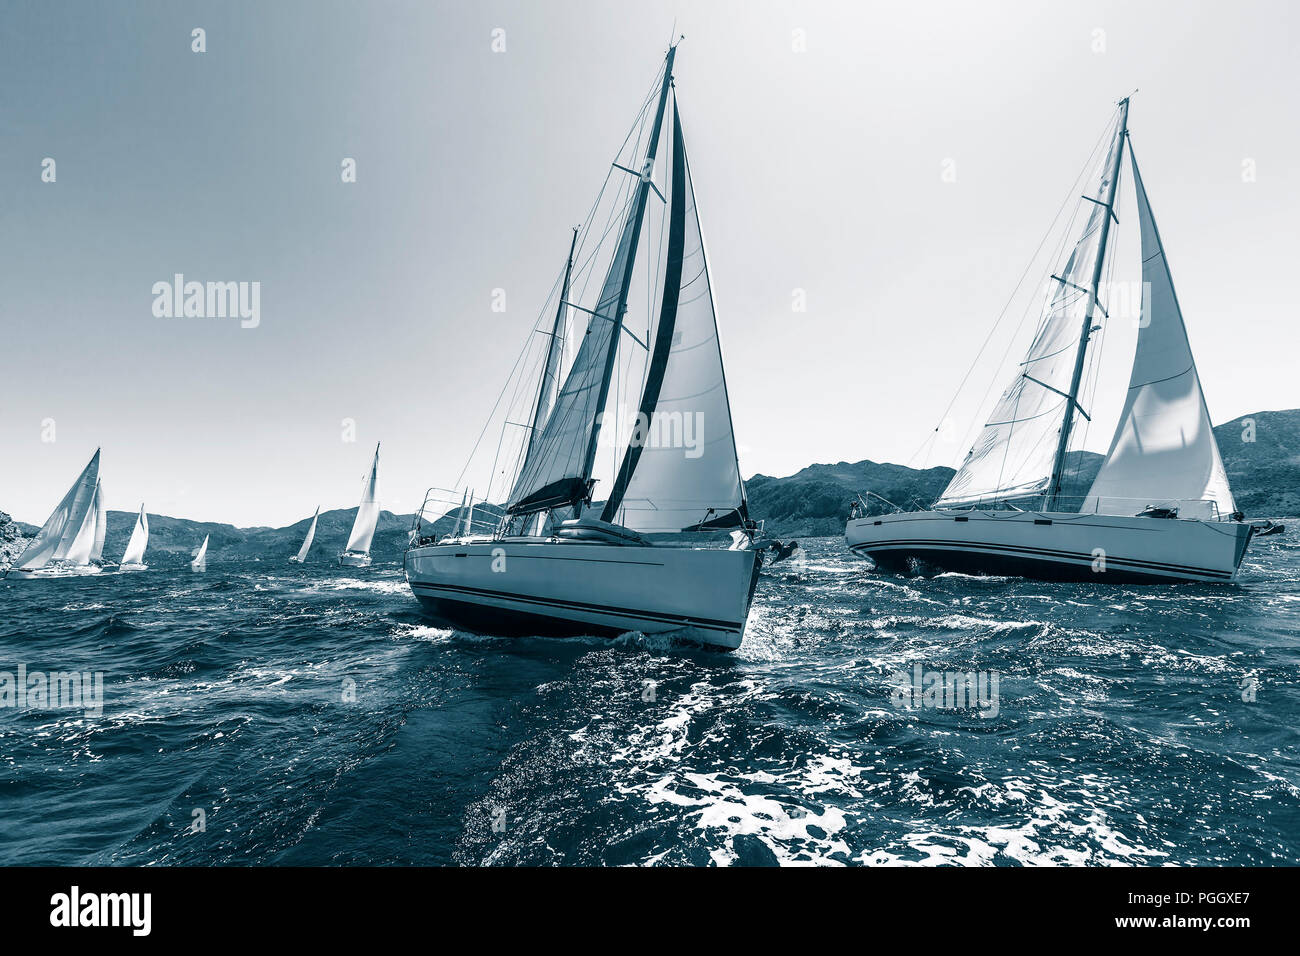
(132, 567)
(543, 587)
(1053, 546)
(349, 560)
(53, 571)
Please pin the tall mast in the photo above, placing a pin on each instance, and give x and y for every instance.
(643, 191)
(551, 352)
(1072, 400)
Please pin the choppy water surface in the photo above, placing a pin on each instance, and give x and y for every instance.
(1121, 735)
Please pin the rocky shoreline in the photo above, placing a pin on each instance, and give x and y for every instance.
(12, 541)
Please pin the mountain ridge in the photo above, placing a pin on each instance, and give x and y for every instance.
(1261, 453)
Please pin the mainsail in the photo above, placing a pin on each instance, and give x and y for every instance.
(1164, 452)
(135, 547)
(363, 528)
(56, 536)
(1017, 451)
(558, 469)
(680, 470)
(311, 534)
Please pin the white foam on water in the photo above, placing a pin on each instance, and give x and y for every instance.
(398, 586)
(1050, 831)
(422, 632)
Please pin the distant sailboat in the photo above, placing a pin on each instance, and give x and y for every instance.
(642, 562)
(133, 557)
(1004, 512)
(301, 556)
(72, 539)
(357, 553)
(200, 562)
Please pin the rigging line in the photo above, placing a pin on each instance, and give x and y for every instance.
(617, 215)
(1048, 309)
(636, 127)
(1051, 307)
(1082, 172)
(639, 127)
(584, 230)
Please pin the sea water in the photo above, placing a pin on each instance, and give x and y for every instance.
(277, 714)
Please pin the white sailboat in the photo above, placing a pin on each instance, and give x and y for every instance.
(72, 538)
(301, 556)
(357, 553)
(553, 567)
(133, 557)
(200, 562)
(1160, 509)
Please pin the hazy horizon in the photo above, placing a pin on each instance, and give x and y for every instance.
(895, 166)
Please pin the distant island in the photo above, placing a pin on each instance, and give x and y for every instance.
(1260, 451)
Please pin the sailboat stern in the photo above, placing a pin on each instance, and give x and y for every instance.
(1053, 546)
(568, 588)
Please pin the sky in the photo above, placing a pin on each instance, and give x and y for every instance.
(894, 166)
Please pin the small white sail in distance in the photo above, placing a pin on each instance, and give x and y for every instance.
(311, 534)
(363, 527)
(135, 547)
(200, 562)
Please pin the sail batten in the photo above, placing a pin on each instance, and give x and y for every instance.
(1164, 452)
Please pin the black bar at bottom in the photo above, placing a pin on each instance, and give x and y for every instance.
(331, 905)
